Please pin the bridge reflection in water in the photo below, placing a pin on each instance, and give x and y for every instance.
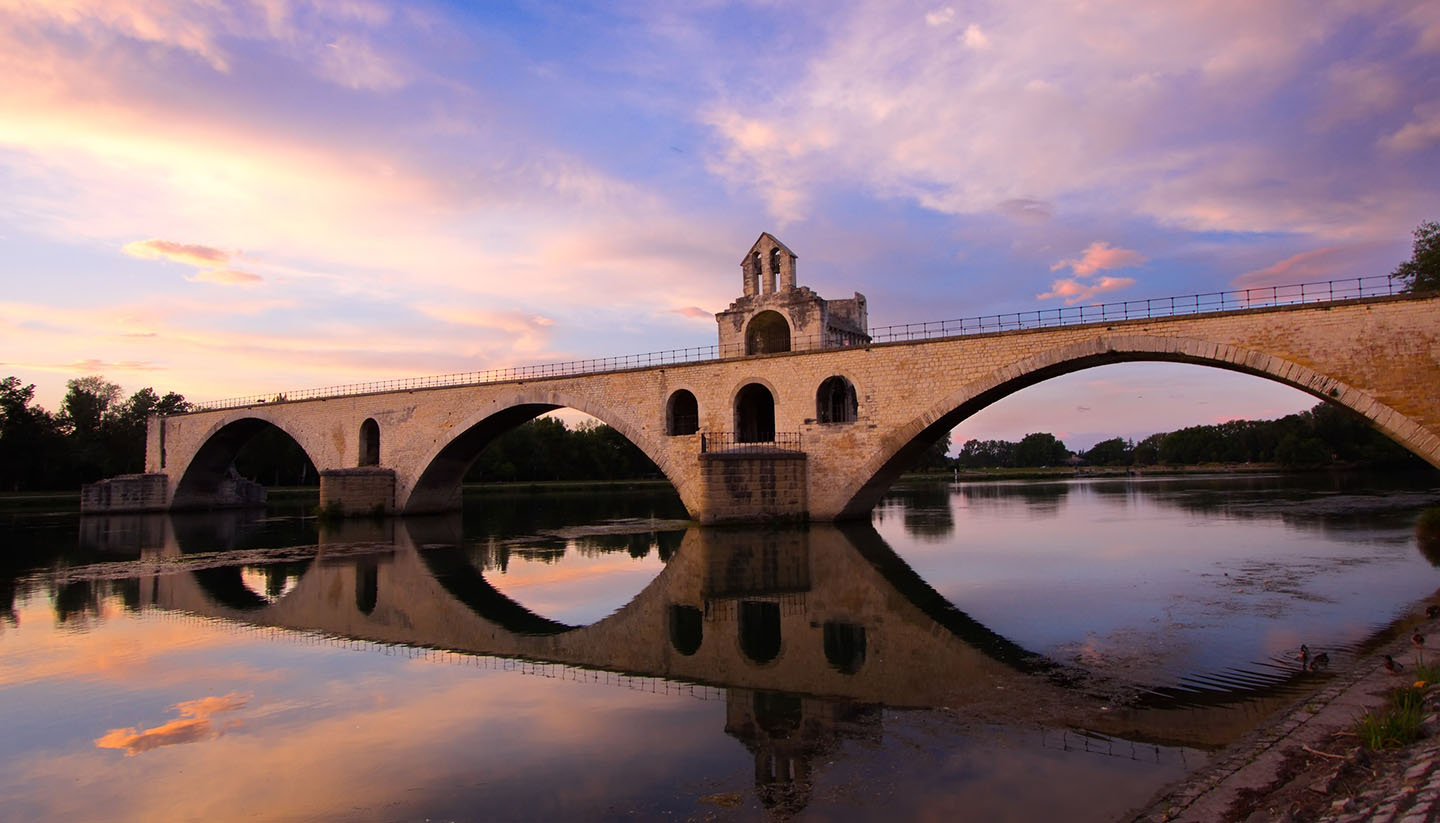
(806, 633)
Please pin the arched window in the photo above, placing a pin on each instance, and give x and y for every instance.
(682, 414)
(767, 333)
(774, 267)
(760, 630)
(369, 443)
(754, 415)
(687, 629)
(757, 270)
(835, 402)
(845, 646)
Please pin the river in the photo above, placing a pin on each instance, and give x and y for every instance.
(991, 651)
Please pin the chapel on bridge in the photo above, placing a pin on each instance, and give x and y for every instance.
(775, 315)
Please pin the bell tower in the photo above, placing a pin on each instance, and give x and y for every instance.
(773, 314)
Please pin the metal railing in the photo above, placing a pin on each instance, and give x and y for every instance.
(1160, 307)
(1191, 304)
(735, 443)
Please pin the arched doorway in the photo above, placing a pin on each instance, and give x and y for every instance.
(767, 333)
(754, 415)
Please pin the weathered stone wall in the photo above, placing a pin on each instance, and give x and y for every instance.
(367, 490)
(751, 487)
(1380, 357)
(125, 493)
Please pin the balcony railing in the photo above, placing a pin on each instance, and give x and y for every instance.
(1191, 304)
(735, 443)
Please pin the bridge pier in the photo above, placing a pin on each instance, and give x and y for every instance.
(754, 486)
(368, 490)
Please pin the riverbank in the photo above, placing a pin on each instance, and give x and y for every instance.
(1306, 764)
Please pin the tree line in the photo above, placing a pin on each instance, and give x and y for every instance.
(1322, 436)
(98, 432)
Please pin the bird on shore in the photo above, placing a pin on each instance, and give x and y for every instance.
(1391, 666)
(1432, 612)
(1417, 640)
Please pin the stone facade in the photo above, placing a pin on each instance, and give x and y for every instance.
(358, 491)
(753, 323)
(125, 493)
(753, 486)
(1379, 357)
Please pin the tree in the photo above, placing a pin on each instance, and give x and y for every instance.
(1040, 449)
(1112, 452)
(1422, 271)
(935, 458)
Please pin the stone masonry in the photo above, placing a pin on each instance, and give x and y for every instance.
(1378, 356)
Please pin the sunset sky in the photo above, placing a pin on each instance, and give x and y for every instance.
(241, 197)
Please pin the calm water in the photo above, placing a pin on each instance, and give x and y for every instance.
(1004, 651)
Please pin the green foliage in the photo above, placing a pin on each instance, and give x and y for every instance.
(1040, 449)
(545, 449)
(1422, 271)
(937, 457)
(1397, 723)
(97, 433)
(1112, 452)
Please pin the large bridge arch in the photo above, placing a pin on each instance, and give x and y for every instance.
(200, 480)
(438, 473)
(902, 445)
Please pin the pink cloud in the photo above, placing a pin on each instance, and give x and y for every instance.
(1316, 264)
(1098, 257)
(192, 726)
(1075, 291)
(193, 254)
(225, 277)
(693, 311)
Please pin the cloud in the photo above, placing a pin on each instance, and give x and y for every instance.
(1075, 290)
(94, 366)
(225, 277)
(1190, 116)
(192, 726)
(352, 62)
(939, 17)
(1026, 209)
(1099, 256)
(693, 311)
(1417, 134)
(195, 255)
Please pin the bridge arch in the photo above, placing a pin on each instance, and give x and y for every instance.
(905, 443)
(438, 473)
(203, 480)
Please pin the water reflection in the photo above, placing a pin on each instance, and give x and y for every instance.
(826, 611)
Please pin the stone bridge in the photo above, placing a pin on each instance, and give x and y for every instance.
(801, 414)
(1379, 357)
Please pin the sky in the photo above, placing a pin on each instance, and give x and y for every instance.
(225, 199)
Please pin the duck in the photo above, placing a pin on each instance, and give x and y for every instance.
(1391, 666)
(1417, 640)
(1321, 659)
(1304, 655)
